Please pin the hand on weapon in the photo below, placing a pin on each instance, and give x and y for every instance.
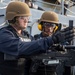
(64, 35)
(58, 47)
(69, 33)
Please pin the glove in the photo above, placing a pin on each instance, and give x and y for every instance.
(64, 35)
(58, 47)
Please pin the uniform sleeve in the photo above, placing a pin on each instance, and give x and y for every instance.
(14, 46)
(34, 47)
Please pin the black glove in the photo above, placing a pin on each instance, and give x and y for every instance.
(58, 47)
(64, 35)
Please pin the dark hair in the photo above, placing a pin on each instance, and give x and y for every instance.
(41, 22)
(13, 20)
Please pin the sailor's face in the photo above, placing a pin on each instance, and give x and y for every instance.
(49, 28)
(22, 22)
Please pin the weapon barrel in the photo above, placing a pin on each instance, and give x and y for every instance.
(69, 46)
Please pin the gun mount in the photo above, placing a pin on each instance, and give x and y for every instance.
(56, 58)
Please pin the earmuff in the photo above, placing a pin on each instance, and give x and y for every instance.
(40, 27)
(58, 27)
(55, 29)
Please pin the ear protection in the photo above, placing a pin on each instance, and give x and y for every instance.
(55, 29)
(40, 27)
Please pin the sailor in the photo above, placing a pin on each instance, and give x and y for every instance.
(16, 44)
(48, 25)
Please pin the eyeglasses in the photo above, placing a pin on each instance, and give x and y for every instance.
(24, 17)
(47, 24)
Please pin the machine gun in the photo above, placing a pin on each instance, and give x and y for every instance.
(56, 57)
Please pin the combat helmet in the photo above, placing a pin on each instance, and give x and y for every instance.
(17, 8)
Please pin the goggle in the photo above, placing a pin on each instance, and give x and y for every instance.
(47, 24)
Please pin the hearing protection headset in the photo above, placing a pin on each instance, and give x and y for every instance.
(40, 27)
(49, 16)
